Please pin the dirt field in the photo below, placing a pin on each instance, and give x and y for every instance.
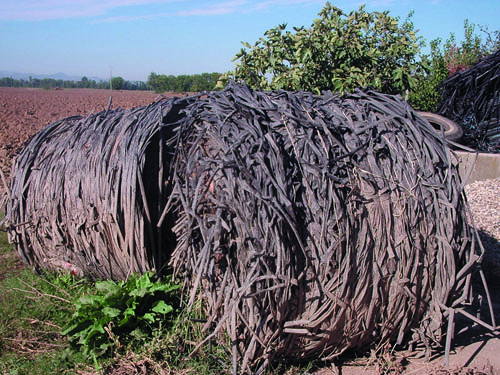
(23, 112)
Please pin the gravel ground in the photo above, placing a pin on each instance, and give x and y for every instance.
(484, 201)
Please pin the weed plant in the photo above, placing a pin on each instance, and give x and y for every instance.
(119, 314)
(177, 348)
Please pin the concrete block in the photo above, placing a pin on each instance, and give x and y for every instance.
(484, 166)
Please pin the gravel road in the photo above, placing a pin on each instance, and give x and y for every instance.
(484, 201)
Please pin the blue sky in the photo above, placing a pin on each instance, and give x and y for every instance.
(132, 38)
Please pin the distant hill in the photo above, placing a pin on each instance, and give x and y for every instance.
(62, 76)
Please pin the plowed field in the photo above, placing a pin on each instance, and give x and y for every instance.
(23, 112)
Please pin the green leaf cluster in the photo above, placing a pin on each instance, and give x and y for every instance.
(117, 83)
(339, 52)
(183, 83)
(447, 58)
(120, 313)
(426, 95)
(463, 55)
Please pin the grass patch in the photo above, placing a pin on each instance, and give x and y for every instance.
(9, 261)
(5, 247)
(52, 362)
(175, 348)
(170, 351)
(33, 310)
(8, 258)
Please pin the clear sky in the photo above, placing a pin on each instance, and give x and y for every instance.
(132, 38)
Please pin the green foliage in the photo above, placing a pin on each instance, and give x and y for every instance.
(84, 83)
(174, 348)
(474, 46)
(183, 83)
(29, 300)
(462, 56)
(117, 83)
(32, 310)
(425, 95)
(339, 52)
(447, 59)
(120, 313)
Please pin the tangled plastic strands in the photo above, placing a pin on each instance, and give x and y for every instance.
(310, 225)
(314, 225)
(86, 193)
(472, 98)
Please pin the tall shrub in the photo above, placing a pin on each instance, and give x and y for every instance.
(425, 94)
(450, 57)
(339, 52)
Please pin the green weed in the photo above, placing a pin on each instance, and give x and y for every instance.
(140, 321)
(121, 313)
(32, 311)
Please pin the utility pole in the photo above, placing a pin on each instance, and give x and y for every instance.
(111, 77)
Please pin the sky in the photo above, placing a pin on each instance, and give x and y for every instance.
(132, 38)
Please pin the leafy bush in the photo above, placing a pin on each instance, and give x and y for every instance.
(462, 56)
(339, 52)
(447, 59)
(117, 83)
(183, 82)
(425, 95)
(120, 313)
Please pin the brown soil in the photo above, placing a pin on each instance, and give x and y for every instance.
(23, 112)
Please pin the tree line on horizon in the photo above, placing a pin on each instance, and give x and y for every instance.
(183, 82)
(85, 83)
(157, 82)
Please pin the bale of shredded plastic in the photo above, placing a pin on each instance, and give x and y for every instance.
(318, 224)
(86, 191)
(471, 98)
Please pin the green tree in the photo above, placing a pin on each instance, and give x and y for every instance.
(463, 55)
(339, 52)
(153, 81)
(84, 82)
(117, 83)
(425, 95)
(183, 82)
